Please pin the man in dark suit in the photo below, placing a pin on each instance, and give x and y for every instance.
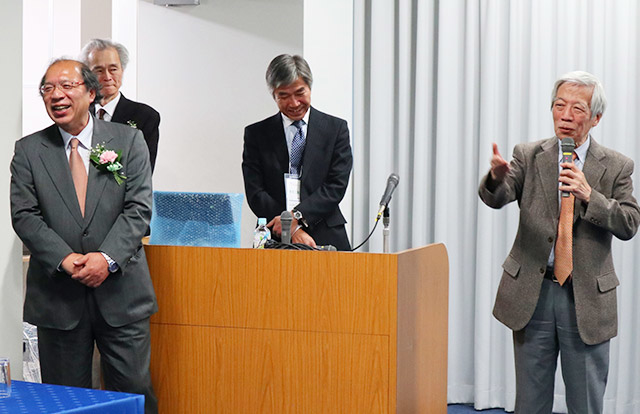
(88, 279)
(298, 160)
(557, 300)
(108, 60)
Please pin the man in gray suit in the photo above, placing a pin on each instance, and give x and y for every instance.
(88, 278)
(575, 317)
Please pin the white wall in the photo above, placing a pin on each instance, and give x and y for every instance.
(95, 17)
(45, 37)
(10, 246)
(328, 48)
(124, 29)
(202, 67)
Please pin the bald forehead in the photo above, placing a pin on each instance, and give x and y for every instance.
(62, 66)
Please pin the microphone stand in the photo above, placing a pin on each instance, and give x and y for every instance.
(385, 231)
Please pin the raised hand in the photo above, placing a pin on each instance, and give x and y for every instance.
(499, 166)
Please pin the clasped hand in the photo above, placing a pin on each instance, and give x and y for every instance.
(298, 236)
(90, 269)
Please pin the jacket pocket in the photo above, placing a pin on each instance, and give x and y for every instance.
(511, 266)
(607, 282)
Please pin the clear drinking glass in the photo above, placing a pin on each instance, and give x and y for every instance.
(5, 378)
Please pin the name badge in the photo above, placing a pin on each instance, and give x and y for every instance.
(292, 190)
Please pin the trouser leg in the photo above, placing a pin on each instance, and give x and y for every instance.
(65, 356)
(584, 367)
(536, 356)
(125, 357)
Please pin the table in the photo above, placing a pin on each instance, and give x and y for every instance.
(31, 397)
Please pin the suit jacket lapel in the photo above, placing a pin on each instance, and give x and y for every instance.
(313, 140)
(547, 167)
(97, 179)
(278, 141)
(593, 168)
(120, 113)
(55, 161)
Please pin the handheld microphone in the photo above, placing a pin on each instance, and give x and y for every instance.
(392, 182)
(285, 220)
(568, 145)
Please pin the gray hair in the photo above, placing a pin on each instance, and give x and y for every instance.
(103, 44)
(286, 69)
(88, 77)
(598, 98)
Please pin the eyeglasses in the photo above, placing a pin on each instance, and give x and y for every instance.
(64, 86)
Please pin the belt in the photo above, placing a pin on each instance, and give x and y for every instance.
(551, 276)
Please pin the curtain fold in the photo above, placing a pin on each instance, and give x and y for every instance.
(435, 83)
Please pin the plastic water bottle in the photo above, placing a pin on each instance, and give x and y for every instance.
(261, 234)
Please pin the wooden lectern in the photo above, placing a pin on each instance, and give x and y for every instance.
(273, 331)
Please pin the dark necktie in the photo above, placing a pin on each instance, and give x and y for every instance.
(78, 173)
(297, 148)
(563, 262)
(101, 113)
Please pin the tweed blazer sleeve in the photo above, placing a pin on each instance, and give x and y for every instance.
(617, 211)
(497, 194)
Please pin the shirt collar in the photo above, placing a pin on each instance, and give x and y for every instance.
(84, 136)
(110, 107)
(581, 151)
(288, 121)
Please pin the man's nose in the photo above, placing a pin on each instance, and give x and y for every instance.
(293, 101)
(57, 93)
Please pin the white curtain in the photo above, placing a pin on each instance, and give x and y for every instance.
(436, 82)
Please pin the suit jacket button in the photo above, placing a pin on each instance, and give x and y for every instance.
(542, 270)
(550, 239)
(85, 234)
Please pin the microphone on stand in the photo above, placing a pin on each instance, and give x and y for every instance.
(392, 183)
(285, 219)
(568, 145)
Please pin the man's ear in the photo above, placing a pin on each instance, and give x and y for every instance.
(596, 120)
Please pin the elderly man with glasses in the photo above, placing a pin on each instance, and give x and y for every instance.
(558, 286)
(81, 202)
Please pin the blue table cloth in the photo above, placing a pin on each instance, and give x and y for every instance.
(31, 397)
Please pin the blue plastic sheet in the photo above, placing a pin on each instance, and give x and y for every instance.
(196, 219)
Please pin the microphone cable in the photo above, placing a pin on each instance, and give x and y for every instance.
(369, 236)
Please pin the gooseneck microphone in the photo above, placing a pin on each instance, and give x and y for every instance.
(285, 220)
(568, 145)
(392, 183)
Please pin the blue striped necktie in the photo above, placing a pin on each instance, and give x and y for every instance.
(297, 148)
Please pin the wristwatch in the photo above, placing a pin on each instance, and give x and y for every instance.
(297, 214)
